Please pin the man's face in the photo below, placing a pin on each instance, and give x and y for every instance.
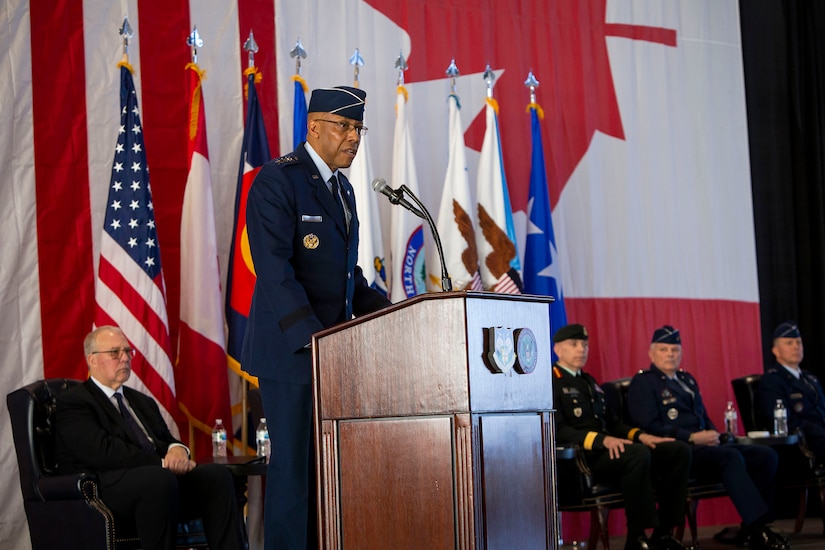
(666, 357)
(572, 353)
(336, 145)
(109, 371)
(788, 351)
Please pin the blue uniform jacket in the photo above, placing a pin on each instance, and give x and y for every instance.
(305, 262)
(803, 399)
(662, 407)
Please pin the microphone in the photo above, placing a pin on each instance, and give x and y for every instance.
(380, 185)
(396, 196)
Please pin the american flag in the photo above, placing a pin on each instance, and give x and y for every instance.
(130, 291)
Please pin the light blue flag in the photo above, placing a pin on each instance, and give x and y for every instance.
(542, 272)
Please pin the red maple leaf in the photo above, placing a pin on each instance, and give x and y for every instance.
(563, 42)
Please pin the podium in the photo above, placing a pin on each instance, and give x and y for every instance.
(434, 426)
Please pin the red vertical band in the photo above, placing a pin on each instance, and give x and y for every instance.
(258, 16)
(65, 262)
(165, 118)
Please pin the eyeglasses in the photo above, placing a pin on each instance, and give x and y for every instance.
(115, 353)
(346, 127)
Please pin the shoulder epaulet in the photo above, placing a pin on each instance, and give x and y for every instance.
(771, 370)
(556, 372)
(291, 158)
(645, 371)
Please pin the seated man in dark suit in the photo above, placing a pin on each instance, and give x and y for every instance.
(665, 400)
(614, 450)
(799, 390)
(145, 473)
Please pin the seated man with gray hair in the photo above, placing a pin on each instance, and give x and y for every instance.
(145, 473)
(665, 400)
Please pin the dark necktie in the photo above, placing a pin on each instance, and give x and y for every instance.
(134, 427)
(336, 196)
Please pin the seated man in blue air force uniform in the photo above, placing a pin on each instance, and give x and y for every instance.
(303, 235)
(799, 390)
(666, 401)
(615, 450)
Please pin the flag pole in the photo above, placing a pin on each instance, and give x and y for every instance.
(194, 41)
(299, 110)
(357, 62)
(453, 72)
(127, 33)
(401, 65)
(251, 48)
(531, 84)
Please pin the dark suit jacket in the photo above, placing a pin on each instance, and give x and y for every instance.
(305, 262)
(93, 437)
(663, 407)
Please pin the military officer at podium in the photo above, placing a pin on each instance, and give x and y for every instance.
(303, 234)
(614, 450)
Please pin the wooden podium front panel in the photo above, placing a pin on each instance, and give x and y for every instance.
(515, 484)
(410, 361)
(396, 479)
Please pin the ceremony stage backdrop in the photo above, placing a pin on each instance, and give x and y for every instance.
(645, 138)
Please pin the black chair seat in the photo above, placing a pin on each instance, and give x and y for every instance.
(64, 511)
(798, 469)
(579, 491)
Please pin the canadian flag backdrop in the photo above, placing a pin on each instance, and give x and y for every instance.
(645, 141)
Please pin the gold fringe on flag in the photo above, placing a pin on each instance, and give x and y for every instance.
(538, 109)
(196, 100)
(297, 78)
(493, 103)
(402, 90)
(125, 63)
(258, 77)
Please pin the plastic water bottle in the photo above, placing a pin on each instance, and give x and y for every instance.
(262, 439)
(731, 419)
(780, 419)
(218, 438)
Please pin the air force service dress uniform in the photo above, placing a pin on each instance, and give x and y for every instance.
(674, 408)
(803, 398)
(583, 417)
(305, 255)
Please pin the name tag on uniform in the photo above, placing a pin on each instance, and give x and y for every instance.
(313, 219)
